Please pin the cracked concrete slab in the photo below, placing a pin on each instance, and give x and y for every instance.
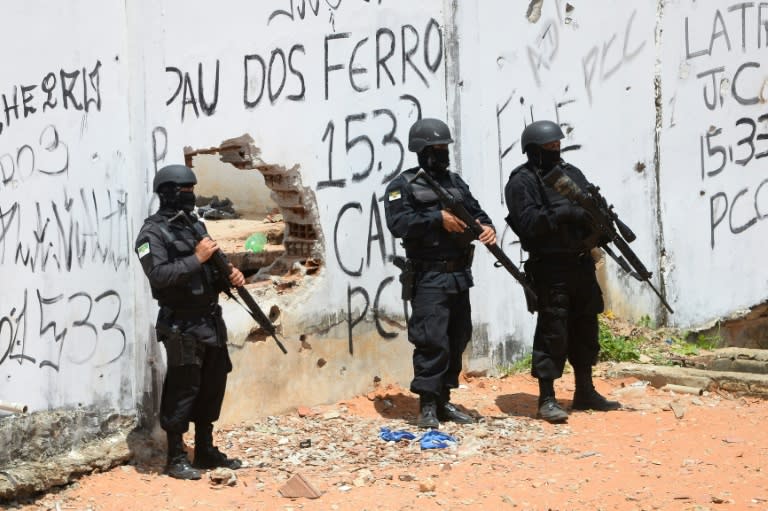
(730, 381)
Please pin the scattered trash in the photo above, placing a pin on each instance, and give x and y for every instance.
(7, 406)
(395, 436)
(255, 242)
(211, 208)
(434, 439)
(305, 443)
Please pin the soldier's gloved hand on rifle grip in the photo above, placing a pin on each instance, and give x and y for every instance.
(571, 214)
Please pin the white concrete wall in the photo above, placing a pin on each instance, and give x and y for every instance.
(67, 197)
(337, 111)
(175, 74)
(334, 94)
(591, 70)
(714, 178)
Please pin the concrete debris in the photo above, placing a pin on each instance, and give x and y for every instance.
(427, 485)
(298, 487)
(679, 409)
(223, 476)
(742, 383)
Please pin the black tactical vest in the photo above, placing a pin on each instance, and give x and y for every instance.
(440, 244)
(200, 291)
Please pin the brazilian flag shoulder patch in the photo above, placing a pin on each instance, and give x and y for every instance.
(143, 249)
(394, 195)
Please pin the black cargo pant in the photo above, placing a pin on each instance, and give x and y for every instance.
(194, 386)
(567, 328)
(439, 328)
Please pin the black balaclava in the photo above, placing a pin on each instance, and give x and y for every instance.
(545, 160)
(171, 197)
(434, 160)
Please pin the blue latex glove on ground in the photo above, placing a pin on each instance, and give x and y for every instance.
(395, 436)
(433, 439)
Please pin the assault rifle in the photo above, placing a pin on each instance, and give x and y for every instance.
(457, 208)
(608, 228)
(221, 263)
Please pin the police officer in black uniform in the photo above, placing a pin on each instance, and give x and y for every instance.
(439, 255)
(189, 322)
(552, 230)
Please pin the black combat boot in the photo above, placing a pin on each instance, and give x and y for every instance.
(585, 397)
(447, 411)
(178, 464)
(206, 454)
(549, 409)
(427, 413)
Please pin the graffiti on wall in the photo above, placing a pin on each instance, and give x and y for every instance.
(78, 89)
(368, 148)
(359, 149)
(52, 227)
(401, 56)
(547, 96)
(723, 44)
(78, 328)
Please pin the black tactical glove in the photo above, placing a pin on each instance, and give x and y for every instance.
(571, 214)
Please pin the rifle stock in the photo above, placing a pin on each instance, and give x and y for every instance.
(221, 263)
(458, 209)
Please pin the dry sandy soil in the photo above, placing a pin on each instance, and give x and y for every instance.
(662, 451)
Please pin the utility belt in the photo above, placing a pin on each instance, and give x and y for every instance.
(570, 258)
(444, 265)
(410, 267)
(185, 343)
(187, 314)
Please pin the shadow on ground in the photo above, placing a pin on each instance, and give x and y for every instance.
(519, 404)
(406, 407)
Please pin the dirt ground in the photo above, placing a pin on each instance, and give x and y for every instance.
(662, 451)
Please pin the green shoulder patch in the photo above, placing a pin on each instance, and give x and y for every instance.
(143, 249)
(394, 195)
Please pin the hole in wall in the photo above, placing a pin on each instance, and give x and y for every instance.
(261, 215)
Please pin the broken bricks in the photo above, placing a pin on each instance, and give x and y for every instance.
(297, 487)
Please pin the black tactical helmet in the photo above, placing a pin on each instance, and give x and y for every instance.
(177, 174)
(427, 132)
(540, 132)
